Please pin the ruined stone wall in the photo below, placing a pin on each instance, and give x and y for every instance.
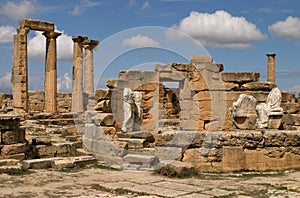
(36, 102)
(252, 150)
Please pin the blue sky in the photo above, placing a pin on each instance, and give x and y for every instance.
(135, 34)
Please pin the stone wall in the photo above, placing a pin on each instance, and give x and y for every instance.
(256, 150)
(13, 144)
(36, 102)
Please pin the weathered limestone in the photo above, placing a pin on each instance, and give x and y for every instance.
(50, 104)
(77, 82)
(13, 144)
(243, 113)
(271, 68)
(89, 46)
(82, 92)
(20, 65)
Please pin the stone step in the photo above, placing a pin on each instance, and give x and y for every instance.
(148, 136)
(10, 169)
(169, 122)
(134, 143)
(9, 162)
(139, 162)
(58, 162)
(61, 121)
(143, 151)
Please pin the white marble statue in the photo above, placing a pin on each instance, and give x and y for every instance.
(133, 112)
(270, 108)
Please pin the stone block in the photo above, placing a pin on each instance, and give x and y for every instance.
(112, 83)
(290, 108)
(101, 94)
(171, 76)
(13, 137)
(258, 86)
(133, 75)
(61, 164)
(37, 163)
(143, 161)
(255, 160)
(224, 86)
(104, 119)
(147, 86)
(134, 143)
(288, 97)
(233, 158)
(9, 122)
(201, 58)
(13, 149)
(240, 77)
(260, 96)
(183, 67)
(168, 153)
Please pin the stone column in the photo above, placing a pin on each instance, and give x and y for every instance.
(20, 71)
(271, 68)
(77, 90)
(89, 46)
(50, 104)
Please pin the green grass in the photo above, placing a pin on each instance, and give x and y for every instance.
(18, 172)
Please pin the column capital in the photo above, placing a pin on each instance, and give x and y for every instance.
(51, 34)
(79, 39)
(271, 54)
(90, 44)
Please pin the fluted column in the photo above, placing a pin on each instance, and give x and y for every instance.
(50, 104)
(77, 88)
(271, 68)
(89, 46)
(20, 71)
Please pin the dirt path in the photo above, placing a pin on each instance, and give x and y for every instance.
(95, 182)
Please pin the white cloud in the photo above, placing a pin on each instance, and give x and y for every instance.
(76, 11)
(5, 83)
(64, 84)
(219, 29)
(37, 46)
(7, 34)
(79, 9)
(140, 41)
(145, 5)
(289, 29)
(18, 10)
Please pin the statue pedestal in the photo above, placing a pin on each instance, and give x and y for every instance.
(274, 120)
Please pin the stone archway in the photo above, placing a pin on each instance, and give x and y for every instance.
(20, 65)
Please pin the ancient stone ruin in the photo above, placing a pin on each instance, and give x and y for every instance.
(210, 120)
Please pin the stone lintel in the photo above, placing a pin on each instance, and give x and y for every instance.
(37, 25)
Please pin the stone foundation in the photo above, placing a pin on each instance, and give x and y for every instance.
(237, 150)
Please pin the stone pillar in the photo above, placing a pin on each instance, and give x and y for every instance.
(77, 90)
(20, 71)
(271, 68)
(89, 46)
(50, 104)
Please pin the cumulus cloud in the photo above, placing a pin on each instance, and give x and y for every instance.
(79, 9)
(64, 84)
(5, 83)
(6, 34)
(218, 29)
(19, 10)
(37, 46)
(288, 29)
(140, 41)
